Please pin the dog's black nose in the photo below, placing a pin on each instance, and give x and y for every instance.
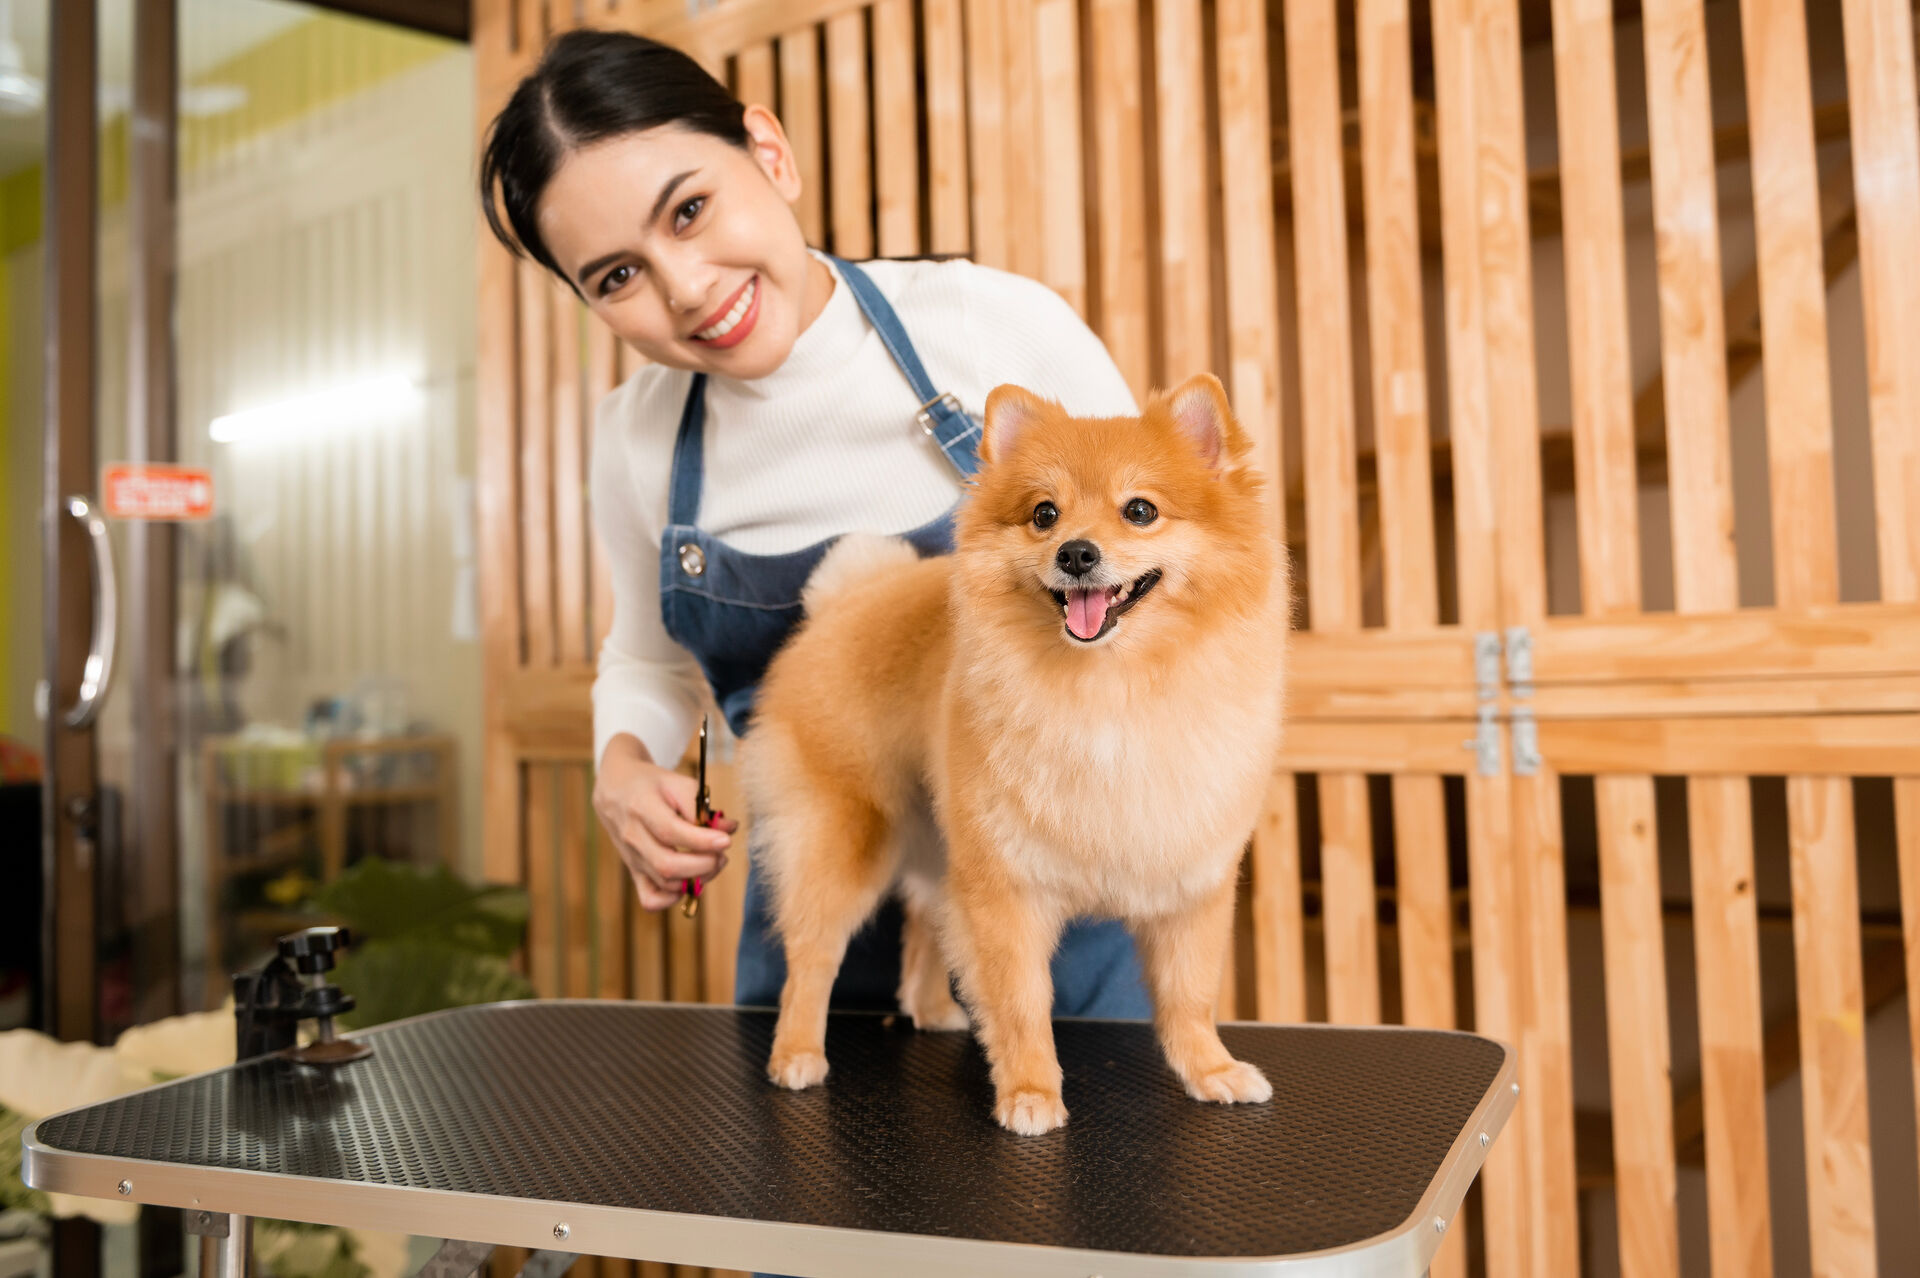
(1078, 557)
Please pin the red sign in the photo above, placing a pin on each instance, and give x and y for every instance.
(149, 490)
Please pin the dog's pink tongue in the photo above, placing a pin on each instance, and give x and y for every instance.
(1086, 611)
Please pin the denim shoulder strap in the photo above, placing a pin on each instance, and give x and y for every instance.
(689, 457)
(940, 414)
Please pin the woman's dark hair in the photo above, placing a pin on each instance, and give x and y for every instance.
(589, 86)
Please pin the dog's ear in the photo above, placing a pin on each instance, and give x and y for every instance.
(1199, 408)
(1010, 411)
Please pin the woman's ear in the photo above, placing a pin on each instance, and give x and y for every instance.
(1010, 411)
(772, 152)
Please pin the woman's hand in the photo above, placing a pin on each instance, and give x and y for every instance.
(647, 811)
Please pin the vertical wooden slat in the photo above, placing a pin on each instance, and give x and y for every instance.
(1595, 256)
(800, 116)
(1793, 301)
(542, 880)
(1327, 444)
(1279, 927)
(896, 131)
(1394, 316)
(1732, 1062)
(611, 890)
(536, 464)
(646, 934)
(1347, 900)
(576, 889)
(1639, 1065)
(849, 137)
(683, 957)
(1253, 305)
(946, 100)
(602, 369)
(1120, 208)
(1505, 245)
(1497, 955)
(1833, 1067)
(1026, 244)
(1886, 170)
(1886, 176)
(1799, 422)
(1906, 817)
(1411, 591)
(1063, 220)
(1700, 492)
(569, 479)
(988, 122)
(1608, 517)
(1253, 353)
(753, 81)
(1186, 268)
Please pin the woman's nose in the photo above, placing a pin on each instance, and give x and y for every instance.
(687, 285)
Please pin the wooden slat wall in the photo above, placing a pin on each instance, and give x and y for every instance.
(940, 124)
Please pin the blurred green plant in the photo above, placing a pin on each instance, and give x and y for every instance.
(423, 940)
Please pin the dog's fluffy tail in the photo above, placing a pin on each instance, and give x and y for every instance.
(851, 560)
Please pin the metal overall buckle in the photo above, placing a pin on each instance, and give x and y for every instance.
(925, 415)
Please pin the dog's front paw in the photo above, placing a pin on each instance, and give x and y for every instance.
(797, 1069)
(1030, 1113)
(1232, 1083)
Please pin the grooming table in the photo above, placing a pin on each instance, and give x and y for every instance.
(649, 1131)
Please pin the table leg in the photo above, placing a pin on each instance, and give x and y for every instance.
(226, 1244)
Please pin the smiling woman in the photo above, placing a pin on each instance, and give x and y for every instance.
(790, 397)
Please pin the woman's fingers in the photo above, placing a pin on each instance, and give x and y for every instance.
(653, 897)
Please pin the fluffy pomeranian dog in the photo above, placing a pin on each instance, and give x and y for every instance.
(1075, 714)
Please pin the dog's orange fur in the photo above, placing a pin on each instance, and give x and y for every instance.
(1117, 778)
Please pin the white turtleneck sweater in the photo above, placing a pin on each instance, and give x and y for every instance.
(826, 444)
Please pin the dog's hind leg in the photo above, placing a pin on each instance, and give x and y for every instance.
(925, 993)
(833, 868)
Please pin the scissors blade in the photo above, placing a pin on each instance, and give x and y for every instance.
(703, 802)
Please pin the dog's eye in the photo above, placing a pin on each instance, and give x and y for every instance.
(1141, 511)
(1044, 515)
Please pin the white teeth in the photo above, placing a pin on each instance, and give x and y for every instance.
(732, 317)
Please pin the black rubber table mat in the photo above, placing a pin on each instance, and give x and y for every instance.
(667, 1108)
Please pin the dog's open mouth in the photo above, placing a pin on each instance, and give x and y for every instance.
(1090, 613)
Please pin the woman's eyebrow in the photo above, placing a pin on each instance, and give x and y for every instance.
(666, 194)
(605, 260)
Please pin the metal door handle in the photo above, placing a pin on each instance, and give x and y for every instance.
(98, 675)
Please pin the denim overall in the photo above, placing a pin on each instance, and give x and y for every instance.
(733, 610)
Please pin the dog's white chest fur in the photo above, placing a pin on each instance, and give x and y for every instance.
(1137, 807)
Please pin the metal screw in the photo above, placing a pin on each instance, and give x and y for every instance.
(1485, 1140)
(1439, 1225)
(561, 1231)
(126, 1187)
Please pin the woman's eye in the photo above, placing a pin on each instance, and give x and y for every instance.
(1141, 511)
(615, 279)
(1044, 515)
(688, 211)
